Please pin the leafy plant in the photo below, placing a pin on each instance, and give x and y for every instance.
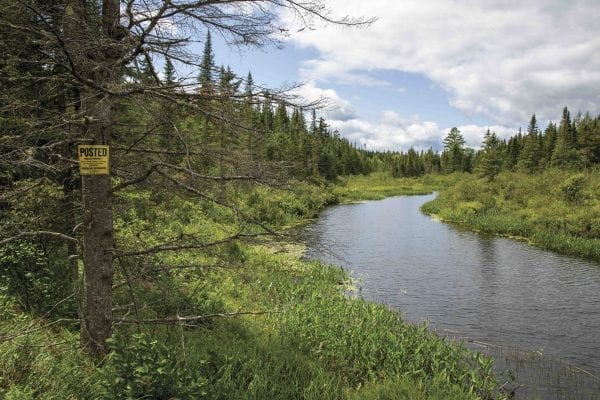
(141, 367)
(572, 188)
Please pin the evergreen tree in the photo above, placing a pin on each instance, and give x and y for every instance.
(588, 138)
(249, 87)
(490, 160)
(229, 83)
(454, 152)
(549, 142)
(281, 120)
(531, 152)
(207, 65)
(565, 153)
(169, 71)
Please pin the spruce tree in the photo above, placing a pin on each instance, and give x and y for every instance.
(455, 153)
(169, 71)
(531, 152)
(207, 66)
(565, 153)
(490, 158)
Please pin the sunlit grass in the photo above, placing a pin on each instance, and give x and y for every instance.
(535, 208)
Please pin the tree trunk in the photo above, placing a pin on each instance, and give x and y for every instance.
(98, 239)
(93, 57)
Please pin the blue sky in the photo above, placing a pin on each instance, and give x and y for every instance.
(424, 67)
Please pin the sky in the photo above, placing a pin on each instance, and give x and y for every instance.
(426, 66)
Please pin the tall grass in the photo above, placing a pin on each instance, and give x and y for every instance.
(554, 210)
(309, 338)
(379, 185)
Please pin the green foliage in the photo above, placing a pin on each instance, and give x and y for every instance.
(455, 157)
(141, 367)
(363, 340)
(42, 360)
(572, 188)
(554, 210)
(379, 185)
(321, 344)
(37, 270)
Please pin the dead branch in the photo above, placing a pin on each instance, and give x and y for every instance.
(185, 320)
(187, 246)
(56, 235)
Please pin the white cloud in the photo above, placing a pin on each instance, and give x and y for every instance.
(334, 106)
(503, 59)
(392, 132)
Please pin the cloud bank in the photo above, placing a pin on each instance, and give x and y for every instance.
(502, 59)
(392, 132)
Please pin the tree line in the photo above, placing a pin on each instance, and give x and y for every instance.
(572, 144)
(88, 72)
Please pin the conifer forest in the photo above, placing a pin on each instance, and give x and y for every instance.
(173, 269)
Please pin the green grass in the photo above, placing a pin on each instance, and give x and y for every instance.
(380, 185)
(555, 210)
(310, 337)
(40, 359)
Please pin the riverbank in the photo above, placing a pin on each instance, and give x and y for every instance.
(379, 185)
(555, 210)
(260, 322)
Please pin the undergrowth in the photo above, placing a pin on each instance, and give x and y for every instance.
(555, 210)
(306, 336)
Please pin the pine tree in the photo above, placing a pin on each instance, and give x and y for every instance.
(455, 153)
(565, 153)
(531, 152)
(169, 71)
(313, 123)
(549, 142)
(588, 138)
(207, 66)
(490, 158)
(249, 87)
(229, 83)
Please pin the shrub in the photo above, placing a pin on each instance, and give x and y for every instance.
(572, 188)
(141, 367)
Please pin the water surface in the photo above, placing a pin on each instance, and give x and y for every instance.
(528, 307)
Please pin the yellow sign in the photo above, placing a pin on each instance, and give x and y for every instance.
(93, 159)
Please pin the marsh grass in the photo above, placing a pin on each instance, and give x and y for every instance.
(311, 339)
(379, 185)
(535, 375)
(554, 210)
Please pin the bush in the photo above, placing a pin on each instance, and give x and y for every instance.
(141, 367)
(572, 188)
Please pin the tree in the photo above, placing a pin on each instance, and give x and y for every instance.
(169, 71)
(454, 152)
(565, 152)
(588, 139)
(531, 153)
(207, 66)
(490, 160)
(93, 61)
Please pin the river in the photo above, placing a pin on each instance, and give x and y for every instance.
(536, 312)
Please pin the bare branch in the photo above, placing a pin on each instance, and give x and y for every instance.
(186, 246)
(56, 235)
(39, 328)
(185, 320)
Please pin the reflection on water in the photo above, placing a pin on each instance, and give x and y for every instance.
(494, 293)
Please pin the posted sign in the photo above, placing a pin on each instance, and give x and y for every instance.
(93, 159)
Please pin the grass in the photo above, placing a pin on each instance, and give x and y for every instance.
(308, 337)
(546, 210)
(380, 185)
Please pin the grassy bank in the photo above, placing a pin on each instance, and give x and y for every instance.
(380, 185)
(555, 210)
(267, 324)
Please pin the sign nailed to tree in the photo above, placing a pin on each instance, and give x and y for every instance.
(93, 159)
